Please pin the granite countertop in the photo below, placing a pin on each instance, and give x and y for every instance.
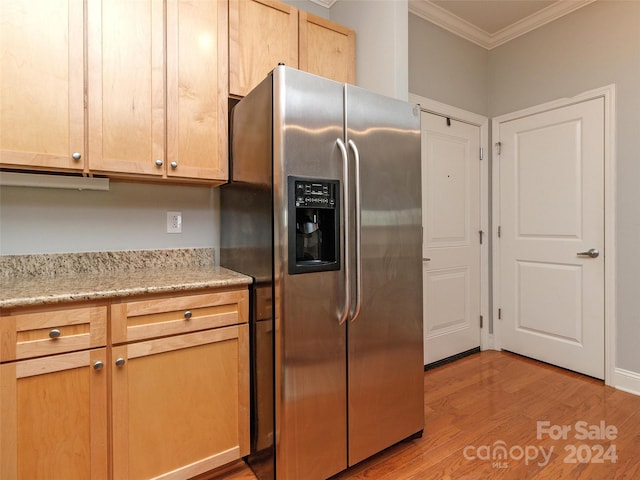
(29, 280)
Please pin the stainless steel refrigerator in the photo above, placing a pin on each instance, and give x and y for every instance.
(323, 210)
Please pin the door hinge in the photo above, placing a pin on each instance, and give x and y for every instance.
(481, 234)
(481, 153)
(499, 314)
(499, 231)
(499, 145)
(481, 319)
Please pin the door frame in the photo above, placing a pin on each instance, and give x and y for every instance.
(437, 108)
(608, 94)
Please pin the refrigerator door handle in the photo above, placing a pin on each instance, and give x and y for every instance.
(345, 212)
(356, 155)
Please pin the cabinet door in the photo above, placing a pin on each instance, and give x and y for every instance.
(42, 84)
(197, 89)
(126, 86)
(180, 404)
(54, 417)
(262, 33)
(327, 48)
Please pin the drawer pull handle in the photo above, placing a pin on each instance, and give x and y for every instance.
(98, 365)
(120, 362)
(188, 314)
(54, 333)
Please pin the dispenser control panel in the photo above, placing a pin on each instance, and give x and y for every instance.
(315, 194)
(314, 225)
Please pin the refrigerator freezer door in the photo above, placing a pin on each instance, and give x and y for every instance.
(246, 245)
(310, 348)
(385, 341)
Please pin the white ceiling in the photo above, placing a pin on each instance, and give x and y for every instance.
(490, 23)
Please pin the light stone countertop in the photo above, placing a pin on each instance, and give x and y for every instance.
(31, 281)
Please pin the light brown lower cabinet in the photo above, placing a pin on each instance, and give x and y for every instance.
(167, 399)
(180, 404)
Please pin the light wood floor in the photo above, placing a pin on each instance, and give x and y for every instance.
(492, 399)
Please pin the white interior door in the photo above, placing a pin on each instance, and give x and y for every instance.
(551, 213)
(451, 240)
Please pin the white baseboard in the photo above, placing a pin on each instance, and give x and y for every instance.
(626, 381)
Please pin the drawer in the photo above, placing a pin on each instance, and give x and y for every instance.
(49, 332)
(172, 315)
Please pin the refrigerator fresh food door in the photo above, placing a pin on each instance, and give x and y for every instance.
(310, 348)
(385, 340)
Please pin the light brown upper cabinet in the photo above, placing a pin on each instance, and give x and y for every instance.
(139, 88)
(197, 89)
(42, 84)
(327, 49)
(263, 33)
(151, 115)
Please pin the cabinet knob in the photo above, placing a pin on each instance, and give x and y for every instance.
(120, 362)
(188, 314)
(54, 333)
(174, 164)
(98, 365)
(159, 162)
(76, 155)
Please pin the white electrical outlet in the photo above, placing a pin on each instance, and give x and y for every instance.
(174, 222)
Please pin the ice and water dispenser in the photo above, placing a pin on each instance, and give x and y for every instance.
(314, 225)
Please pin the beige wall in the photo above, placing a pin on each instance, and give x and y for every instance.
(130, 216)
(447, 68)
(381, 43)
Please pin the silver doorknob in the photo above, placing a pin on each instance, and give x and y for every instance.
(188, 314)
(174, 164)
(592, 253)
(120, 362)
(159, 162)
(76, 156)
(54, 333)
(98, 365)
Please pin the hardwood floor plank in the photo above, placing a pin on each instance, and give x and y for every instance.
(489, 400)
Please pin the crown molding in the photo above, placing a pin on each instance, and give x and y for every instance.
(324, 3)
(445, 19)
